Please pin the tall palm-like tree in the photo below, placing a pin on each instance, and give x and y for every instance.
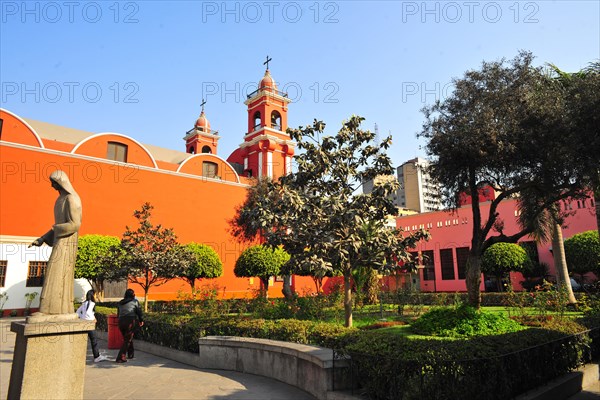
(547, 226)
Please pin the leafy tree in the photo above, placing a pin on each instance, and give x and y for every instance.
(485, 135)
(318, 213)
(580, 92)
(371, 287)
(245, 227)
(562, 124)
(501, 258)
(204, 263)
(583, 252)
(547, 226)
(150, 255)
(92, 262)
(261, 262)
(313, 271)
(366, 282)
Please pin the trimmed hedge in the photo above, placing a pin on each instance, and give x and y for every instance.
(487, 367)
(488, 299)
(182, 332)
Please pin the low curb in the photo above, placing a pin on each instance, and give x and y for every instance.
(565, 386)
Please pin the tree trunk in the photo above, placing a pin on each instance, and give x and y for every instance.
(98, 286)
(287, 291)
(146, 289)
(318, 283)
(473, 279)
(348, 300)
(264, 287)
(372, 288)
(560, 262)
(146, 300)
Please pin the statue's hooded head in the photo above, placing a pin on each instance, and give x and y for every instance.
(60, 178)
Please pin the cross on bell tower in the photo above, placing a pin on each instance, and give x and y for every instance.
(267, 62)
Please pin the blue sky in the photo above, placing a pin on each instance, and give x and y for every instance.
(141, 68)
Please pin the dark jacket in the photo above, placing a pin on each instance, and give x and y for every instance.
(129, 308)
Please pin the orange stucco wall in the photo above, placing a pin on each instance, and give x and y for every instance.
(197, 208)
(15, 130)
(97, 147)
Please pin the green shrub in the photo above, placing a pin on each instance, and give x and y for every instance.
(261, 262)
(500, 258)
(207, 264)
(290, 330)
(463, 321)
(582, 252)
(484, 367)
(101, 317)
(408, 297)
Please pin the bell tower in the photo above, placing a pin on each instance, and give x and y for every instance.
(201, 139)
(267, 149)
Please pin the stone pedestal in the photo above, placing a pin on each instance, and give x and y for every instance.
(49, 360)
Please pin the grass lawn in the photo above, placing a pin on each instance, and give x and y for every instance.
(528, 311)
(373, 315)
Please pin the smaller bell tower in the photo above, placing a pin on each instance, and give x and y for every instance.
(267, 149)
(201, 139)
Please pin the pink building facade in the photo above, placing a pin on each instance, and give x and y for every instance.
(451, 234)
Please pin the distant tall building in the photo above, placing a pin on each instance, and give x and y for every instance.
(416, 191)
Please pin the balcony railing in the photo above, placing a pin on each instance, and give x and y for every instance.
(271, 90)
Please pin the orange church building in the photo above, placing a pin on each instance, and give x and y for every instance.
(195, 191)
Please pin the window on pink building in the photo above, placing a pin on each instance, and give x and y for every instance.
(428, 265)
(462, 253)
(447, 263)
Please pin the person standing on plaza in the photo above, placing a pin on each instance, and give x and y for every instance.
(86, 312)
(129, 313)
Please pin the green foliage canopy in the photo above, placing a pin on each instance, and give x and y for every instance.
(579, 123)
(149, 255)
(204, 263)
(318, 213)
(583, 252)
(501, 258)
(490, 132)
(93, 259)
(261, 262)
